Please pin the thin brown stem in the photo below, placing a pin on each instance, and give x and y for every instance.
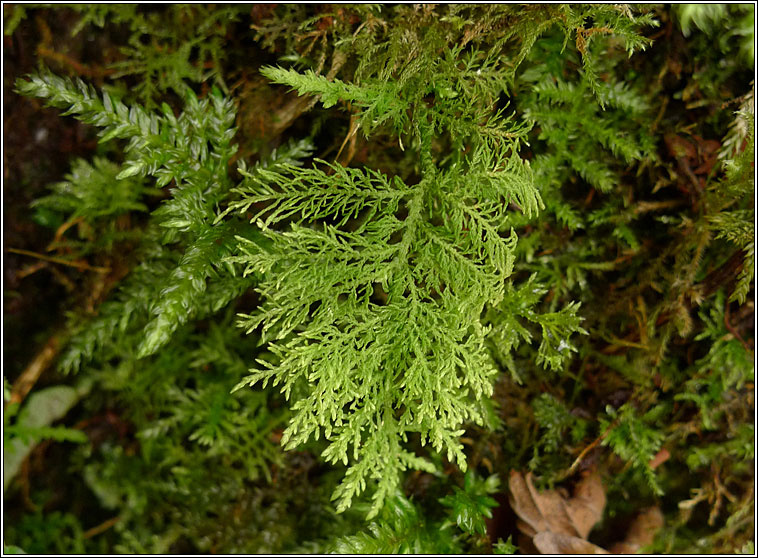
(77, 264)
(733, 331)
(25, 382)
(104, 526)
(586, 450)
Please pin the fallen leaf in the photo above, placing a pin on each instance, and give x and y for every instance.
(586, 507)
(558, 543)
(537, 512)
(559, 524)
(554, 512)
(641, 532)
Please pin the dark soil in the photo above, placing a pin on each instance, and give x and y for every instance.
(38, 148)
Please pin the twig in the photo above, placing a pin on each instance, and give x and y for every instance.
(586, 450)
(661, 112)
(45, 50)
(25, 382)
(53, 259)
(734, 331)
(64, 227)
(661, 457)
(31, 268)
(75, 65)
(351, 138)
(645, 206)
(104, 526)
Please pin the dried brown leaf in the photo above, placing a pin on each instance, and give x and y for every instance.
(641, 532)
(558, 543)
(538, 512)
(558, 524)
(553, 511)
(586, 507)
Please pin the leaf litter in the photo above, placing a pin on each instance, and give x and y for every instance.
(557, 523)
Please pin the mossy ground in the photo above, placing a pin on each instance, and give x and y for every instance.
(663, 340)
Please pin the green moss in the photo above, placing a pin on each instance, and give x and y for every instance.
(479, 238)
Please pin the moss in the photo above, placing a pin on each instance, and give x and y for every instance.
(453, 238)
